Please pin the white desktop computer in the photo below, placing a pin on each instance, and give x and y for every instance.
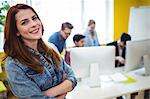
(138, 55)
(91, 62)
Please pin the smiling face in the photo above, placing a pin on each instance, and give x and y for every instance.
(29, 26)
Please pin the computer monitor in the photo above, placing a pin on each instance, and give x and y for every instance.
(137, 52)
(84, 57)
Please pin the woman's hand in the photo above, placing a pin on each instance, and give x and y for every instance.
(120, 59)
(61, 96)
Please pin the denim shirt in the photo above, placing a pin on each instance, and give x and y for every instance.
(89, 41)
(28, 84)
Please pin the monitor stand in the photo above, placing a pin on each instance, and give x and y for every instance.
(146, 61)
(94, 80)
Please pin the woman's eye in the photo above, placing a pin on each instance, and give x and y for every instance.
(35, 18)
(24, 22)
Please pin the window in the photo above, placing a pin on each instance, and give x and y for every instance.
(54, 12)
(102, 11)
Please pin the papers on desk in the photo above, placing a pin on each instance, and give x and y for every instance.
(118, 77)
(105, 78)
(129, 80)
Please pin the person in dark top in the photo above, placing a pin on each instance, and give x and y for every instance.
(120, 53)
(120, 49)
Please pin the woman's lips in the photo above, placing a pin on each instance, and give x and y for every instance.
(35, 31)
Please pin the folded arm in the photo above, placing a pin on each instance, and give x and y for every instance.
(68, 84)
(60, 89)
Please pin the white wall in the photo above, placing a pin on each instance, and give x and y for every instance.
(139, 23)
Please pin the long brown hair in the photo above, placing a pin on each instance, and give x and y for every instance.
(15, 47)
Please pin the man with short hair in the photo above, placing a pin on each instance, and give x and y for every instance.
(59, 38)
(79, 41)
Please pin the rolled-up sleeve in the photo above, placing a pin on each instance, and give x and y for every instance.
(21, 85)
(70, 74)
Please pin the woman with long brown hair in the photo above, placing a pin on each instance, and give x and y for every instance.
(34, 70)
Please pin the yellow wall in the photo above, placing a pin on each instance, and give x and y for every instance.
(144, 2)
(121, 14)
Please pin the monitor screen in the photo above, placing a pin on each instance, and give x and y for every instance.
(84, 57)
(135, 51)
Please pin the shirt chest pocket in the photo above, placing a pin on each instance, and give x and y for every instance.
(43, 80)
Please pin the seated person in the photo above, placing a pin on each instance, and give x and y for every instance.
(78, 40)
(120, 54)
(120, 49)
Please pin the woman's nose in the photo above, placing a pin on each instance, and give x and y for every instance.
(33, 23)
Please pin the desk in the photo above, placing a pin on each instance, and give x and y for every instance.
(111, 89)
